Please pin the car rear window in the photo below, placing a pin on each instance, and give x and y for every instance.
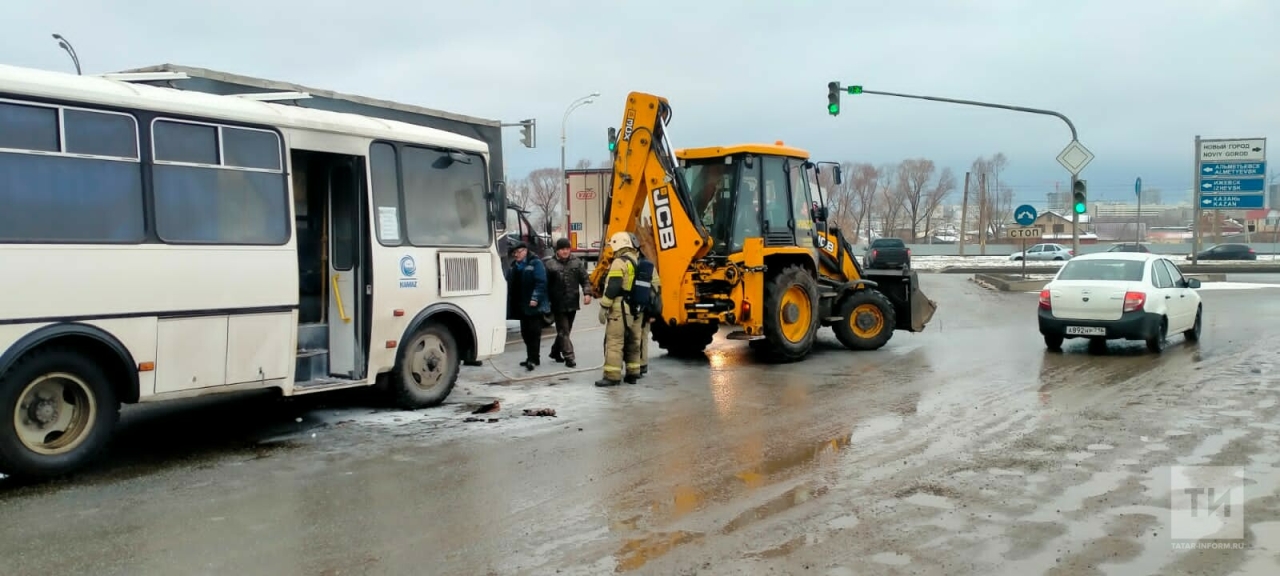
(887, 243)
(1116, 270)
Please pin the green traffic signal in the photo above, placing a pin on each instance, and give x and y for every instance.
(833, 98)
(855, 89)
(833, 108)
(1080, 208)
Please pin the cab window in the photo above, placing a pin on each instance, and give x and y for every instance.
(801, 202)
(777, 207)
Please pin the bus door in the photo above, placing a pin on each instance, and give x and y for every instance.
(346, 269)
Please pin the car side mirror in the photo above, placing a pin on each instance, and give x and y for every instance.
(1193, 283)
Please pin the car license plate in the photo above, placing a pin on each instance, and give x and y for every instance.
(1086, 331)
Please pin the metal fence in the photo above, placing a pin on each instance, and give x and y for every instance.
(1007, 249)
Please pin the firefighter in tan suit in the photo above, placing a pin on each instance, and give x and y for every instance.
(622, 330)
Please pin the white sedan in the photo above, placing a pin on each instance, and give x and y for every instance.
(1044, 252)
(1120, 296)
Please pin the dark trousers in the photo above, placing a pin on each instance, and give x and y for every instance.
(531, 333)
(563, 347)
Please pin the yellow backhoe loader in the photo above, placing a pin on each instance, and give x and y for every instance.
(737, 240)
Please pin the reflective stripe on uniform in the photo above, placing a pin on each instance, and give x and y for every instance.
(643, 283)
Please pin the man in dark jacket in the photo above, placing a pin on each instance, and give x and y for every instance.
(527, 300)
(566, 273)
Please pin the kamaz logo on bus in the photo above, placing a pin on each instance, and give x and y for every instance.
(662, 216)
(629, 125)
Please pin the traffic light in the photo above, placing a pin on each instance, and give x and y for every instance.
(855, 89)
(1080, 199)
(833, 98)
(613, 139)
(528, 132)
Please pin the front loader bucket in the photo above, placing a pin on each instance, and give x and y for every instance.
(922, 308)
(913, 309)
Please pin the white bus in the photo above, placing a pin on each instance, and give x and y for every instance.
(159, 244)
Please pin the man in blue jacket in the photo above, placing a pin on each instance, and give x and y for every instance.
(527, 300)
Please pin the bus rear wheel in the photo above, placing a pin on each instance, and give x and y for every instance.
(428, 368)
(58, 410)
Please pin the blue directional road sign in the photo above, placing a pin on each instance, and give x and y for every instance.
(1025, 215)
(1137, 187)
(1233, 202)
(1231, 186)
(1231, 173)
(1228, 169)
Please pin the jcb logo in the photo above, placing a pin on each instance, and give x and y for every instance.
(629, 126)
(663, 217)
(827, 245)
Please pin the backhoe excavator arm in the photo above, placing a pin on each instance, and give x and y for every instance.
(645, 169)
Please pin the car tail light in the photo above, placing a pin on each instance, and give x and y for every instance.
(1071, 252)
(909, 251)
(875, 253)
(1250, 251)
(1045, 304)
(1134, 301)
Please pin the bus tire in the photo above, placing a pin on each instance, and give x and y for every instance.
(428, 368)
(58, 410)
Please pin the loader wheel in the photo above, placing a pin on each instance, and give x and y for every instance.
(688, 341)
(791, 318)
(868, 320)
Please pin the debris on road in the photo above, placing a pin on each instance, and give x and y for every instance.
(474, 419)
(487, 408)
(540, 412)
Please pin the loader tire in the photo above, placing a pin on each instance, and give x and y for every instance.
(867, 320)
(687, 341)
(791, 315)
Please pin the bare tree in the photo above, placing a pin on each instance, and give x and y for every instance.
(518, 193)
(839, 199)
(606, 163)
(945, 185)
(913, 175)
(546, 196)
(864, 179)
(890, 197)
(582, 164)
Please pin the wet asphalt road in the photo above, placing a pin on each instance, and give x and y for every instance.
(967, 449)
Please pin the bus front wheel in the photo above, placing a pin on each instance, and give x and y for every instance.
(58, 411)
(428, 368)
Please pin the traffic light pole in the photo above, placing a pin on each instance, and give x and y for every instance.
(1075, 223)
(1075, 217)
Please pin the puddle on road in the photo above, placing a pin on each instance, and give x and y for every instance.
(686, 499)
(637, 552)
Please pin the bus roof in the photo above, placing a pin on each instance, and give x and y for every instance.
(30, 82)
(709, 152)
(280, 86)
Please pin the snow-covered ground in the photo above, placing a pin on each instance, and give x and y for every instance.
(939, 262)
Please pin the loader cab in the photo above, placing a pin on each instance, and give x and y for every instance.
(747, 191)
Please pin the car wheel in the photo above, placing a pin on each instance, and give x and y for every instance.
(1059, 258)
(1017, 258)
(1156, 343)
(1193, 335)
(1053, 342)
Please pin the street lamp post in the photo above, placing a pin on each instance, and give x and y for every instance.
(564, 182)
(66, 45)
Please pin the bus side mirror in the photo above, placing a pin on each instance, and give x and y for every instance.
(499, 198)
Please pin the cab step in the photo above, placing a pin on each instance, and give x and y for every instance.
(324, 384)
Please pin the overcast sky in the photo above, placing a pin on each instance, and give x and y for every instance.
(1138, 78)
